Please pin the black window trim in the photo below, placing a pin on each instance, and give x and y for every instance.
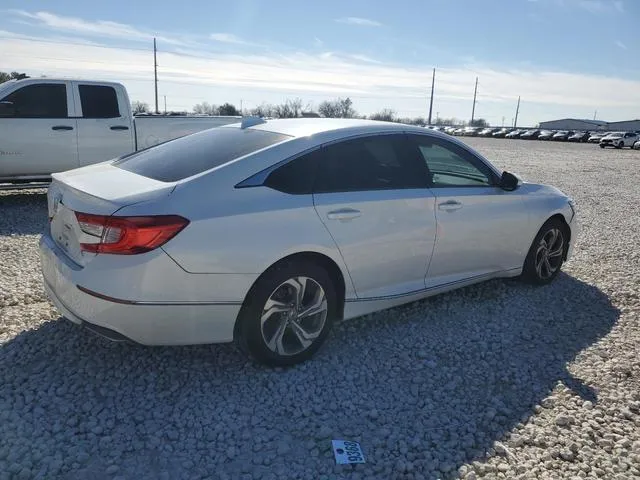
(258, 179)
(473, 158)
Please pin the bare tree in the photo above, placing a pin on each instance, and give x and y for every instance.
(139, 107)
(338, 108)
(205, 108)
(263, 110)
(291, 108)
(5, 77)
(385, 115)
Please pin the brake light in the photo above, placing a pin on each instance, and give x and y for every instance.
(128, 235)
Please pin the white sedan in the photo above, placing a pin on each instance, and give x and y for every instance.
(266, 232)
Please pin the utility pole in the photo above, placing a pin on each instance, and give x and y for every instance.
(433, 83)
(594, 114)
(473, 110)
(242, 114)
(515, 122)
(165, 104)
(155, 71)
(503, 120)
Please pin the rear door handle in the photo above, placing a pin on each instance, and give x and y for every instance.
(119, 127)
(450, 205)
(344, 214)
(62, 127)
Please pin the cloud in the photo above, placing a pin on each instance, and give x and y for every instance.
(227, 38)
(364, 58)
(599, 6)
(271, 76)
(317, 42)
(362, 22)
(99, 28)
(621, 45)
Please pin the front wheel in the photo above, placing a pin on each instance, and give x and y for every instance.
(546, 254)
(601, 145)
(287, 314)
(620, 145)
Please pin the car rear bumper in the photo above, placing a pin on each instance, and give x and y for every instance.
(147, 323)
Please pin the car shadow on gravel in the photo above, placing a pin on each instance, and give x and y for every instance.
(23, 213)
(425, 388)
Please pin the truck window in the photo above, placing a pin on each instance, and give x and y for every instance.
(193, 154)
(99, 101)
(44, 100)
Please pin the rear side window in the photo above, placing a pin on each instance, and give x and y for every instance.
(99, 101)
(193, 154)
(382, 162)
(297, 176)
(44, 100)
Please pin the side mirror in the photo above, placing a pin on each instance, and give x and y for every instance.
(7, 109)
(509, 181)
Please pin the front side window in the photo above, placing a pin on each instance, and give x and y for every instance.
(44, 100)
(451, 165)
(99, 101)
(380, 162)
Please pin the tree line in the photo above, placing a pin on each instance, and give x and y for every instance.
(291, 108)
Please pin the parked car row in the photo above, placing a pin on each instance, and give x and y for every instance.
(604, 139)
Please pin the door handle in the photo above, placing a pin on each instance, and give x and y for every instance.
(119, 127)
(62, 127)
(450, 205)
(344, 214)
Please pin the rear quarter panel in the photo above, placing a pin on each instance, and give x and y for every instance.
(241, 231)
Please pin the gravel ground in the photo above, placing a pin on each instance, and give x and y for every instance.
(499, 380)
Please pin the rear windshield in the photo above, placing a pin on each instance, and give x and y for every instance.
(193, 154)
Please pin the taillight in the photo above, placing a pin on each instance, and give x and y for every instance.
(128, 235)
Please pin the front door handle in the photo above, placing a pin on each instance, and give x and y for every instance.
(450, 205)
(62, 127)
(119, 127)
(344, 214)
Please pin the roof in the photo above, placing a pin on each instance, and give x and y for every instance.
(303, 127)
(583, 120)
(61, 79)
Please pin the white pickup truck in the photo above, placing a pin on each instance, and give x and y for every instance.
(52, 125)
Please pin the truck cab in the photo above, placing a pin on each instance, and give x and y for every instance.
(49, 126)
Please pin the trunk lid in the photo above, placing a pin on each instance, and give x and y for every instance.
(100, 190)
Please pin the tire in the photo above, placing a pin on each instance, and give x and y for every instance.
(274, 341)
(620, 145)
(535, 270)
(601, 145)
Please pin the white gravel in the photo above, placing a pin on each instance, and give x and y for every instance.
(499, 380)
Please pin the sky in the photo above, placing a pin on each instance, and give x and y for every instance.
(564, 58)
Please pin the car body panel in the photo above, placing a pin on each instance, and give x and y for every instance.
(401, 246)
(400, 223)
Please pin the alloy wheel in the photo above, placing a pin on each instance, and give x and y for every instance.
(549, 254)
(293, 316)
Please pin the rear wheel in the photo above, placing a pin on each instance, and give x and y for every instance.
(288, 314)
(546, 254)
